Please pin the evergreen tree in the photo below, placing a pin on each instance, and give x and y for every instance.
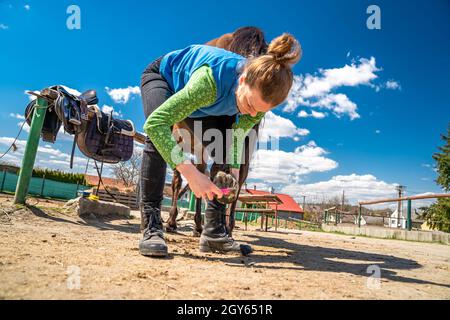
(438, 214)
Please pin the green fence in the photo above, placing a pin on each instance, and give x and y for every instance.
(251, 216)
(41, 187)
(180, 203)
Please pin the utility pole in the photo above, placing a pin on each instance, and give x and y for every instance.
(400, 190)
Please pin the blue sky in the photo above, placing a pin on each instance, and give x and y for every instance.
(399, 92)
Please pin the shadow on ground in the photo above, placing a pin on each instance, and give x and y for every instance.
(313, 258)
(101, 223)
(299, 256)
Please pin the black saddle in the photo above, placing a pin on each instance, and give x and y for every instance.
(106, 139)
(98, 135)
(51, 124)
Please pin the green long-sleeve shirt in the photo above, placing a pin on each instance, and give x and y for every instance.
(200, 91)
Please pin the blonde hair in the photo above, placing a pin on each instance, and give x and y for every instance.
(271, 73)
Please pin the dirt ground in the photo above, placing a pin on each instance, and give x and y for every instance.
(48, 254)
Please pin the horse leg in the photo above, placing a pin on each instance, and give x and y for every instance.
(243, 173)
(198, 218)
(176, 187)
(198, 208)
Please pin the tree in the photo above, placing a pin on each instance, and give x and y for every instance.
(443, 163)
(128, 172)
(438, 214)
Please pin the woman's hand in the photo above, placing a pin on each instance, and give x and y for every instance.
(200, 184)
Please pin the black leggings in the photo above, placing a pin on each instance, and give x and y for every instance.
(155, 90)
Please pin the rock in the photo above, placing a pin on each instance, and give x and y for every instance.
(91, 208)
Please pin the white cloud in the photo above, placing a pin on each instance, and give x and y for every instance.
(318, 115)
(317, 90)
(314, 114)
(357, 188)
(276, 126)
(3, 27)
(122, 95)
(259, 186)
(392, 85)
(48, 157)
(339, 104)
(25, 128)
(64, 136)
(107, 109)
(27, 7)
(377, 131)
(303, 114)
(17, 116)
(277, 166)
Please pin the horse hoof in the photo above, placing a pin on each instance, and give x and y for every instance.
(171, 229)
(196, 233)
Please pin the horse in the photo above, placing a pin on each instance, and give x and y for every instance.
(248, 42)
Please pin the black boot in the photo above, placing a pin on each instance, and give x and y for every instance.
(214, 237)
(152, 242)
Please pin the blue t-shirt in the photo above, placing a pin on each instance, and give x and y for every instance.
(177, 67)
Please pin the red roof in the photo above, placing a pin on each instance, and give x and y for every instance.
(108, 182)
(288, 204)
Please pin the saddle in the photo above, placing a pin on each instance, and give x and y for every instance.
(51, 124)
(98, 135)
(106, 139)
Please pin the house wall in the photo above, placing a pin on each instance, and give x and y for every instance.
(289, 214)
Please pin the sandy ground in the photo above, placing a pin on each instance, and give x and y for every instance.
(47, 254)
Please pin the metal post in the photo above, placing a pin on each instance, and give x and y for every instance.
(42, 186)
(408, 217)
(76, 191)
(192, 202)
(30, 151)
(359, 216)
(3, 180)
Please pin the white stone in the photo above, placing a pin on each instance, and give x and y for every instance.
(86, 207)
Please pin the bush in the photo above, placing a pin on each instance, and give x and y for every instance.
(57, 175)
(437, 215)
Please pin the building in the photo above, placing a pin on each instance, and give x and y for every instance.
(396, 221)
(288, 209)
(111, 183)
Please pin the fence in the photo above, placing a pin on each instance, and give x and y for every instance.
(284, 222)
(131, 200)
(41, 187)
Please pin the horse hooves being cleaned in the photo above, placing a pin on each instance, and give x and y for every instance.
(228, 185)
(214, 237)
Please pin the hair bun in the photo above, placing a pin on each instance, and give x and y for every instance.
(285, 49)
